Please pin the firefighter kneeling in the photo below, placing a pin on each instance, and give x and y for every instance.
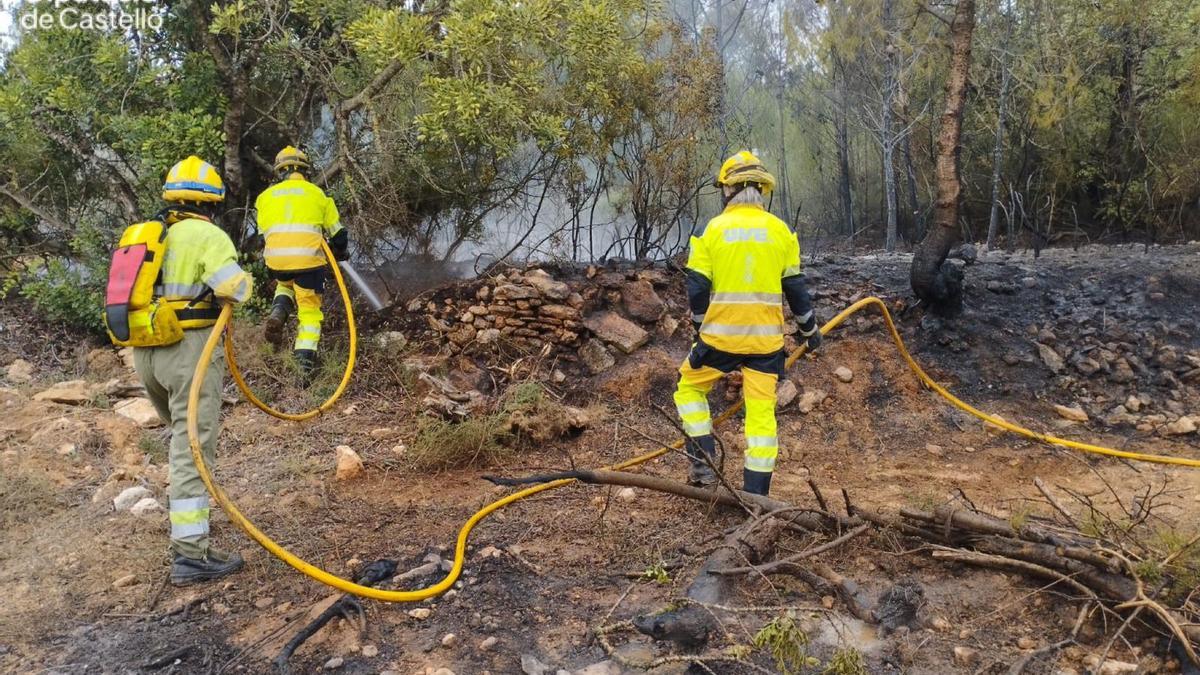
(739, 272)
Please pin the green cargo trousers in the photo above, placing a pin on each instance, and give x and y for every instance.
(167, 374)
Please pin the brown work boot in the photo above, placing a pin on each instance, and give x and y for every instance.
(281, 311)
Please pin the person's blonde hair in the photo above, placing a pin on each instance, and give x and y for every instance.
(749, 194)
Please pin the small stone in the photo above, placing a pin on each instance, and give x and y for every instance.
(334, 663)
(966, 657)
(489, 552)
(126, 581)
(1133, 404)
(596, 357)
(263, 603)
(994, 429)
(1181, 426)
(129, 497)
(449, 640)
(558, 377)
(1050, 357)
(531, 665)
(383, 433)
(626, 493)
(19, 371)
(811, 399)
(487, 336)
(935, 450)
(785, 394)
(844, 374)
(420, 613)
(549, 287)
(391, 341)
(66, 449)
(827, 601)
(941, 624)
(1073, 413)
(617, 331)
(147, 507)
(1122, 372)
(488, 644)
(1110, 667)
(399, 449)
(141, 411)
(1027, 643)
(370, 651)
(349, 464)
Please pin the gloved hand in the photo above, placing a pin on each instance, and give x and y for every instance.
(340, 254)
(811, 333)
(340, 245)
(814, 341)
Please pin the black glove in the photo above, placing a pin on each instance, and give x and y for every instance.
(811, 333)
(340, 245)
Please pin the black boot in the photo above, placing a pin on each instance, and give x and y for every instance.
(306, 359)
(700, 473)
(214, 565)
(281, 311)
(756, 482)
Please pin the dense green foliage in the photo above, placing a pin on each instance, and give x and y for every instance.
(595, 125)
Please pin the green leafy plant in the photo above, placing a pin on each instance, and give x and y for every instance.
(657, 573)
(787, 644)
(846, 661)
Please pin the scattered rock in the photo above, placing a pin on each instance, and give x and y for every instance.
(811, 399)
(1073, 413)
(1026, 643)
(334, 663)
(449, 640)
(126, 581)
(596, 357)
(547, 285)
(626, 493)
(370, 651)
(1086, 365)
(941, 624)
(1110, 667)
(966, 657)
(147, 507)
(935, 450)
(1050, 357)
(530, 665)
(487, 336)
(489, 643)
(399, 449)
(141, 411)
(642, 302)
(19, 371)
(71, 392)
(785, 394)
(265, 602)
(349, 464)
(420, 613)
(384, 433)
(844, 374)
(617, 331)
(1133, 404)
(129, 497)
(992, 428)
(392, 341)
(1122, 372)
(668, 325)
(609, 667)
(1181, 426)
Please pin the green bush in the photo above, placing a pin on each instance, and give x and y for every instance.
(67, 295)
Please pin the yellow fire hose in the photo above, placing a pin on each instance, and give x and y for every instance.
(460, 547)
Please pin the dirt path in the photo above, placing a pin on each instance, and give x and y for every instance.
(84, 586)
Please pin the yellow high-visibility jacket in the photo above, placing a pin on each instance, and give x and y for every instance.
(745, 253)
(293, 217)
(200, 256)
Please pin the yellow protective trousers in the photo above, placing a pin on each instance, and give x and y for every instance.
(308, 312)
(760, 373)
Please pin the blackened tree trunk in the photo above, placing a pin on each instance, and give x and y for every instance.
(934, 282)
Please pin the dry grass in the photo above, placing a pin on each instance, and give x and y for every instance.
(25, 494)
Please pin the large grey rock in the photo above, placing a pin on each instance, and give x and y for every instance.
(147, 507)
(547, 285)
(617, 331)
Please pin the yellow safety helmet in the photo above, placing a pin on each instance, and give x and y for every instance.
(291, 157)
(193, 180)
(745, 167)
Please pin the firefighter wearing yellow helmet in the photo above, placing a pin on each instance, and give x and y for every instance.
(199, 270)
(293, 217)
(740, 271)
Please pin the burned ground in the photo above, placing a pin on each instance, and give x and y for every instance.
(1117, 329)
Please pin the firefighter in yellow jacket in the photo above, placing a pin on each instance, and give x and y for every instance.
(739, 273)
(293, 217)
(199, 272)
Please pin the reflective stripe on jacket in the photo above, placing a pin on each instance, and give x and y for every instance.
(199, 257)
(293, 217)
(745, 252)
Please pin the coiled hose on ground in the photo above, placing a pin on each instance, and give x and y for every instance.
(460, 547)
